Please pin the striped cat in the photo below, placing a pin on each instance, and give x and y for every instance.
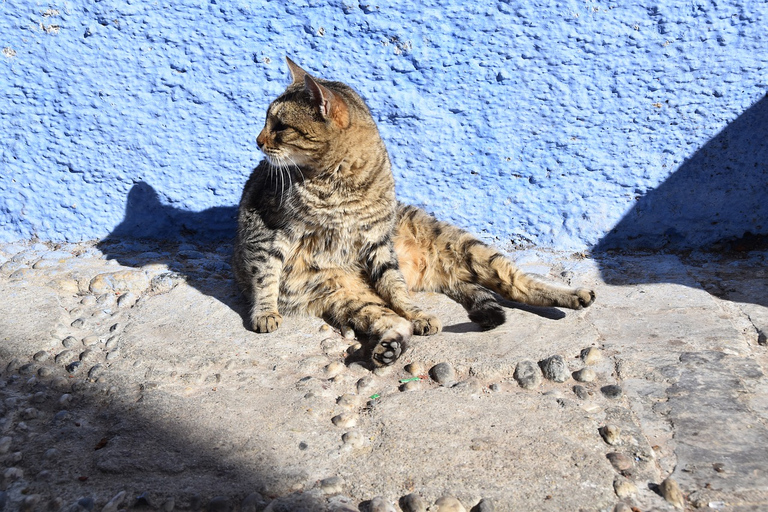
(320, 232)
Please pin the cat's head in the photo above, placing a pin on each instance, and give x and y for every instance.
(312, 123)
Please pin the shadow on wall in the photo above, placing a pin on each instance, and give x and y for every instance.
(716, 202)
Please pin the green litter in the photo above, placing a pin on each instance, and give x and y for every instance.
(403, 381)
(374, 397)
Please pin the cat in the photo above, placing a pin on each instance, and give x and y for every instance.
(321, 232)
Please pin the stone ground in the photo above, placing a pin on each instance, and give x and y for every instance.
(128, 381)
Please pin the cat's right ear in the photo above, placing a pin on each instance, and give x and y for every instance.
(297, 74)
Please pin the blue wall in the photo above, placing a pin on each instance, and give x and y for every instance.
(555, 123)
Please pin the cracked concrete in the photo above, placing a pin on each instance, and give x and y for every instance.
(126, 367)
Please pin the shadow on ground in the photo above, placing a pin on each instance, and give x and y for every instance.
(713, 206)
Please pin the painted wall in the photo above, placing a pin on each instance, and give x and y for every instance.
(564, 124)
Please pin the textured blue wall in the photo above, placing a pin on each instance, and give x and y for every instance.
(547, 122)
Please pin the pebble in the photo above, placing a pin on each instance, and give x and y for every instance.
(443, 374)
(90, 340)
(622, 507)
(415, 369)
(64, 356)
(127, 300)
(611, 434)
(113, 504)
(485, 505)
(379, 504)
(611, 391)
(471, 385)
(334, 369)
(527, 374)
(78, 323)
(366, 385)
(332, 485)
(111, 343)
(555, 369)
(413, 385)
(88, 355)
(74, 366)
(69, 342)
(581, 392)
(353, 438)
(620, 461)
(591, 356)
(111, 356)
(44, 372)
(254, 502)
(413, 503)
(88, 300)
(5, 444)
(348, 401)
(670, 491)
(41, 356)
(584, 375)
(30, 413)
(169, 504)
(13, 474)
(449, 504)
(624, 488)
(95, 372)
(345, 420)
(51, 454)
(219, 504)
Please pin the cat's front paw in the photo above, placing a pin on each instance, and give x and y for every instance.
(266, 322)
(426, 325)
(585, 297)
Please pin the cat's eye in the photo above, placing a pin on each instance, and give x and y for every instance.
(279, 126)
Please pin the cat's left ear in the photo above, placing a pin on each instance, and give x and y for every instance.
(329, 104)
(297, 74)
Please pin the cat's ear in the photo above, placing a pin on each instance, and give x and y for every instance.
(297, 74)
(329, 104)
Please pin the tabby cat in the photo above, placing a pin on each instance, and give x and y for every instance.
(320, 232)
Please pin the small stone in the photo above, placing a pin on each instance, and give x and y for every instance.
(353, 438)
(254, 502)
(443, 374)
(379, 504)
(624, 488)
(111, 356)
(13, 474)
(611, 391)
(622, 507)
(584, 375)
(111, 343)
(86, 503)
(88, 300)
(527, 374)
(30, 413)
(366, 385)
(26, 369)
(169, 504)
(95, 372)
(581, 392)
(30, 502)
(41, 356)
(127, 300)
(44, 372)
(51, 454)
(485, 505)
(591, 356)
(334, 369)
(762, 337)
(670, 491)
(345, 420)
(74, 366)
(470, 385)
(449, 504)
(332, 485)
(611, 434)
(413, 503)
(415, 369)
(78, 323)
(70, 342)
(219, 504)
(90, 340)
(64, 400)
(348, 401)
(64, 356)
(5, 444)
(555, 369)
(412, 385)
(620, 461)
(88, 355)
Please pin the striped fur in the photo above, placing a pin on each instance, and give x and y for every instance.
(320, 232)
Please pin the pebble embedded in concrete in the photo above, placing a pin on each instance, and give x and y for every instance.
(413, 503)
(611, 434)
(527, 374)
(555, 369)
(443, 374)
(670, 491)
(379, 504)
(624, 488)
(449, 504)
(611, 391)
(584, 375)
(591, 356)
(345, 420)
(620, 461)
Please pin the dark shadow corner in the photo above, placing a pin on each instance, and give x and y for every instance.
(713, 207)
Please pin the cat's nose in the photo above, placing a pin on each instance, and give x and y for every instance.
(260, 140)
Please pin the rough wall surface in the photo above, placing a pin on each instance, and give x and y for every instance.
(523, 121)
